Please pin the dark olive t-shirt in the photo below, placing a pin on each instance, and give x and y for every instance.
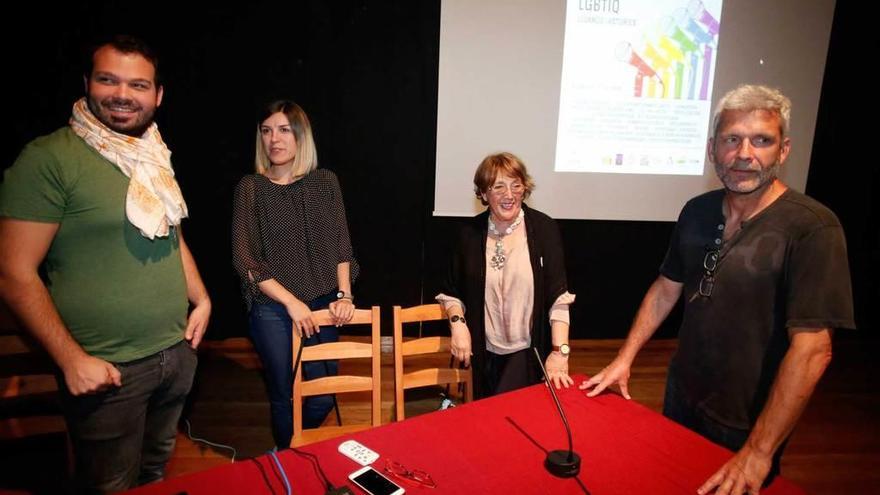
(787, 267)
(121, 295)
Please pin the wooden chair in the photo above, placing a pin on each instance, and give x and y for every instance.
(33, 434)
(420, 346)
(25, 379)
(342, 350)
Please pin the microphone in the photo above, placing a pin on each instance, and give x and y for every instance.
(560, 463)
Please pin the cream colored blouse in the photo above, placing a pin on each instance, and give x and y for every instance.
(509, 297)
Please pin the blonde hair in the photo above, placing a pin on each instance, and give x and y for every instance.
(506, 163)
(306, 159)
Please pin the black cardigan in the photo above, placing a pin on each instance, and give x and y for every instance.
(466, 280)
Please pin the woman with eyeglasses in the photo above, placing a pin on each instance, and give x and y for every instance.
(291, 248)
(506, 290)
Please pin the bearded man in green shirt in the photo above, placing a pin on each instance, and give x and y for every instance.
(97, 206)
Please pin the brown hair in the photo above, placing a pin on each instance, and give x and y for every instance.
(498, 163)
(306, 158)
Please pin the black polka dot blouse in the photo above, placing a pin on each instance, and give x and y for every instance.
(295, 233)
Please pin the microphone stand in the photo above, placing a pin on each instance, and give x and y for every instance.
(560, 463)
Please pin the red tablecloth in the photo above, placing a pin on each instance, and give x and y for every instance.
(498, 445)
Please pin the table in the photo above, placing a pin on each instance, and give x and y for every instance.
(498, 445)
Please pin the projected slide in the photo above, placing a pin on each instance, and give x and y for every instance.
(641, 78)
(636, 86)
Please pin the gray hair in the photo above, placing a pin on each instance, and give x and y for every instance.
(751, 97)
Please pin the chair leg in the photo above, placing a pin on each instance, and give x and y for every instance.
(336, 407)
(71, 464)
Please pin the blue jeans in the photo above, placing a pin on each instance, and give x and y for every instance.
(271, 330)
(678, 408)
(123, 437)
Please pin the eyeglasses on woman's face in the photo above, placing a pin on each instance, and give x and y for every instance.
(499, 188)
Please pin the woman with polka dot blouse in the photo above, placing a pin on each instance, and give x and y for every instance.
(291, 248)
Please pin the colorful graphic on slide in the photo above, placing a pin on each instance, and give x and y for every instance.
(636, 85)
(678, 54)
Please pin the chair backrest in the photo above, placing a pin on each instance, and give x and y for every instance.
(29, 403)
(341, 383)
(29, 386)
(426, 345)
(32, 427)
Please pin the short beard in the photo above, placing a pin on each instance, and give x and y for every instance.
(137, 131)
(765, 176)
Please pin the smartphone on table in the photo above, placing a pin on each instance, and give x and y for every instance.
(373, 483)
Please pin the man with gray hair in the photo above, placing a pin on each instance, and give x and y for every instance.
(765, 280)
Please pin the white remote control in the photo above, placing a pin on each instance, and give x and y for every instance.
(357, 452)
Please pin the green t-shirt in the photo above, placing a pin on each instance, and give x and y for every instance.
(121, 295)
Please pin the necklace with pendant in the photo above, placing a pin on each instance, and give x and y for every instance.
(499, 259)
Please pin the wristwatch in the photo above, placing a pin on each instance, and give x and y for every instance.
(455, 318)
(563, 349)
(342, 295)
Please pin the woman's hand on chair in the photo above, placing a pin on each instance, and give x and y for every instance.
(302, 318)
(342, 311)
(460, 343)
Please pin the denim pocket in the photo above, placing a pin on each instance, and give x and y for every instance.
(269, 312)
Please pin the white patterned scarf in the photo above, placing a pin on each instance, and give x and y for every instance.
(153, 201)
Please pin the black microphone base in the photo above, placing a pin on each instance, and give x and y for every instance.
(563, 464)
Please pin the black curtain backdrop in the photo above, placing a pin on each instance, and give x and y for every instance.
(366, 73)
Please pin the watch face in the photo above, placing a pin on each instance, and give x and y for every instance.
(340, 295)
(564, 349)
